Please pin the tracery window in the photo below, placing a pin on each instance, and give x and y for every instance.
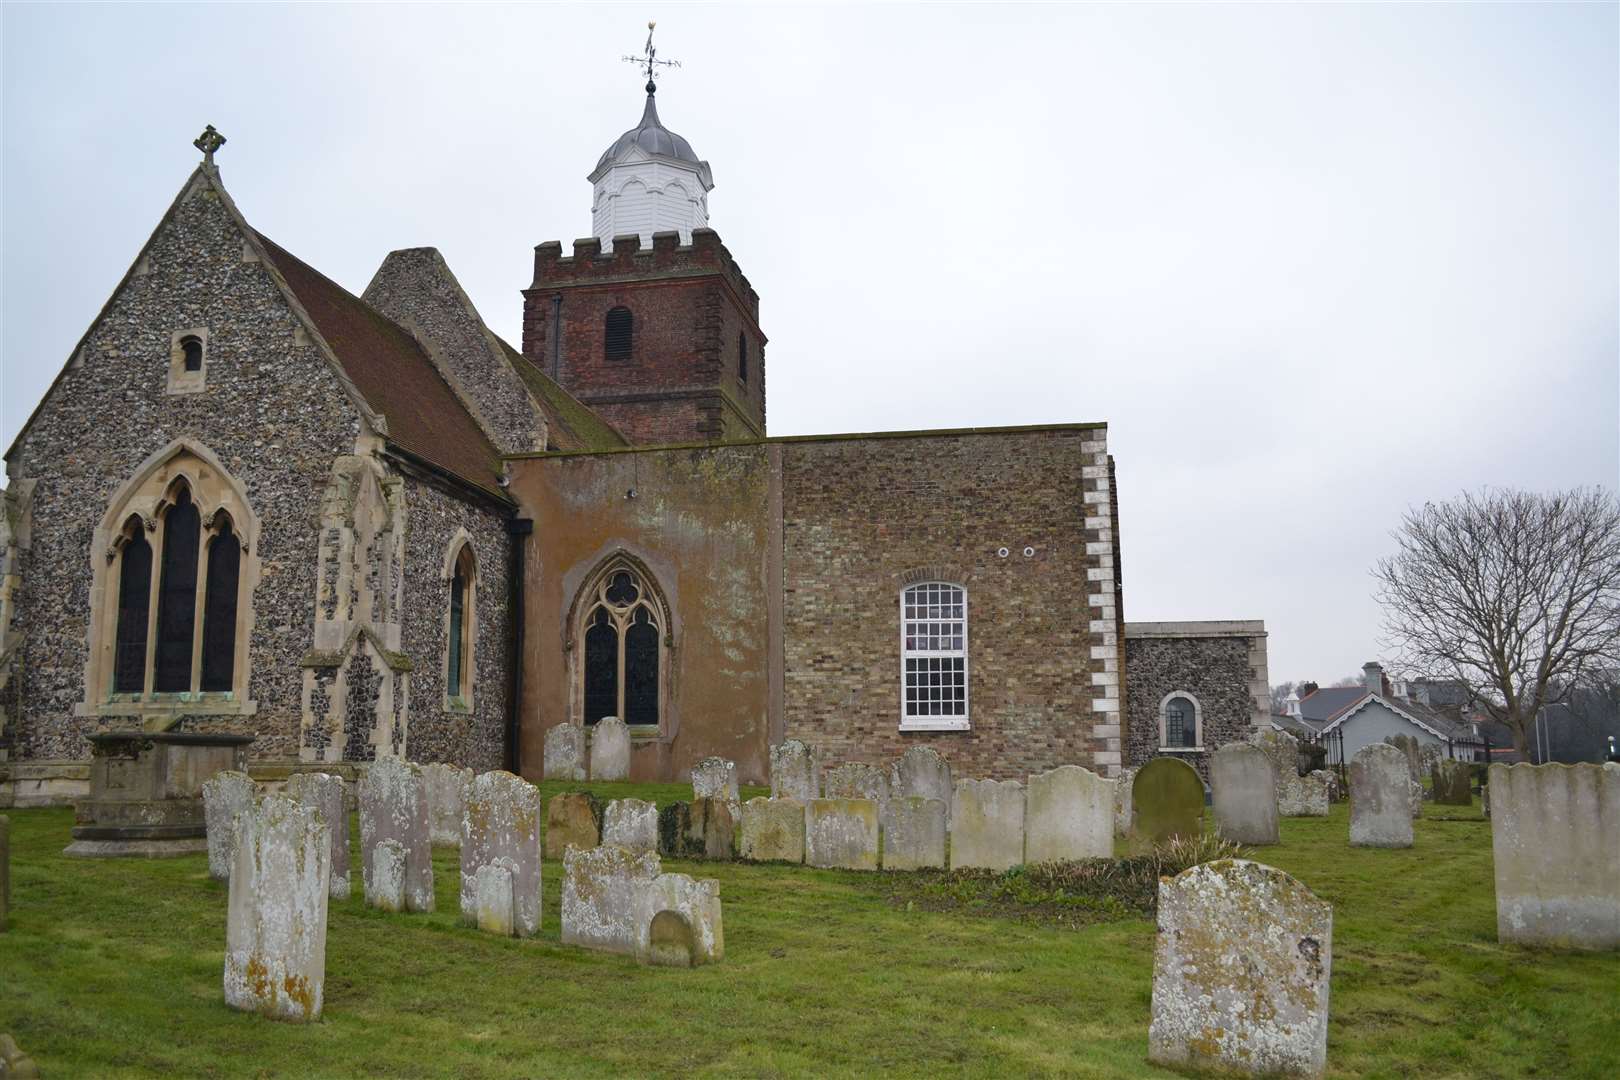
(618, 334)
(623, 644)
(933, 631)
(1180, 722)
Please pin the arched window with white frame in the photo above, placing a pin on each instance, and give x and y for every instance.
(933, 651)
(1181, 722)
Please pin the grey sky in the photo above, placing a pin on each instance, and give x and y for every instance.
(1312, 264)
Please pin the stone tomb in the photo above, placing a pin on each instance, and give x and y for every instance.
(573, 819)
(610, 750)
(987, 824)
(1453, 783)
(1167, 801)
(1243, 782)
(914, 833)
(857, 780)
(920, 771)
(275, 926)
(1069, 814)
(1380, 798)
(393, 806)
(795, 771)
(1555, 838)
(447, 799)
(600, 890)
(841, 834)
(323, 792)
(677, 922)
(632, 824)
(565, 753)
(772, 830)
(501, 827)
(1240, 972)
(701, 829)
(225, 795)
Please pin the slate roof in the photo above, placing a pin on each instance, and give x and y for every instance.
(1331, 703)
(570, 423)
(1324, 704)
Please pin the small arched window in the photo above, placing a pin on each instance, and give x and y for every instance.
(742, 357)
(618, 334)
(624, 641)
(933, 647)
(458, 667)
(1180, 725)
(191, 347)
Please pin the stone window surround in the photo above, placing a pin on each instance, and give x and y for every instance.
(933, 576)
(180, 380)
(460, 546)
(574, 641)
(1198, 724)
(146, 495)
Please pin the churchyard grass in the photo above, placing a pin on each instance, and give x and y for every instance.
(113, 968)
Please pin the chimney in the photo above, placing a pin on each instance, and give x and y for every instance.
(1372, 677)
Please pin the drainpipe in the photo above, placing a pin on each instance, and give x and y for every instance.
(556, 336)
(517, 530)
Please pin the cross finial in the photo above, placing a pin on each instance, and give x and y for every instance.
(209, 141)
(650, 62)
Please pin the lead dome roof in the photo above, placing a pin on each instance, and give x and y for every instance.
(653, 138)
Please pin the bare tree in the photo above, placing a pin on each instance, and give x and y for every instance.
(1514, 594)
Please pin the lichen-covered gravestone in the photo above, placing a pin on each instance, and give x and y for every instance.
(493, 899)
(632, 824)
(716, 778)
(599, 894)
(701, 829)
(565, 753)
(1069, 814)
(446, 787)
(610, 750)
(1283, 750)
(1414, 791)
(1380, 798)
(393, 806)
(677, 921)
(987, 824)
(914, 833)
(1555, 840)
(1243, 783)
(225, 795)
(922, 772)
(1122, 802)
(1452, 783)
(795, 771)
(857, 780)
(1240, 972)
(573, 819)
(1413, 751)
(324, 793)
(275, 925)
(1305, 796)
(1167, 801)
(501, 826)
(841, 834)
(772, 830)
(385, 879)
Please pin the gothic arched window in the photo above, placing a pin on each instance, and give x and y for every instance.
(618, 334)
(933, 646)
(1180, 722)
(219, 608)
(134, 610)
(177, 596)
(458, 668)
(623, 634)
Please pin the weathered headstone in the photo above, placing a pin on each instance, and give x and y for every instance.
(385, 878)
(1380, 798)
(922, 772)
(446, 787)
(599, 893)
(225, 795)
(1240, 972)
(275, 925)
(856, 780)
(1243, 782)
(1282, 748)
(1069, 814)
(501, 825)
(1555, 839)
(677, 921)
(1122, 802)
(610, 750)
(632, 824)
(701, 829)
(324, 792)
(716, 778)
(1452, 783)
(1414, 792)
(573, 819)
(393, 806)
(1167, 801)
(841, 834)
(772, 830)
(914, 833)
(1409, 746)
(565, 753)
(795, 771)
(5, 870)
(493, 899)
(987, 824)
(1305, 796)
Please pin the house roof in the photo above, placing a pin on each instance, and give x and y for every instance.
(1321, 706)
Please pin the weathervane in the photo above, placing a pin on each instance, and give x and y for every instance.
(209, 141)
(650, 61)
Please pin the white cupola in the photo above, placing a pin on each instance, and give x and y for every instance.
(649, 181)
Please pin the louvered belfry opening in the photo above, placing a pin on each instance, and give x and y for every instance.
(618, 338)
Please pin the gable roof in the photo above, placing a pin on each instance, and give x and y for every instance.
(570, 423)
(1418, 716)
(1324, 704)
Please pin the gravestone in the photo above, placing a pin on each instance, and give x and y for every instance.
(1430, 754)
(1380, 798)
(324, 793)
(599, 893)
(5, 870)
(773, 830)
(501, 825)
(1414, 792)
(922, 772)
(275, 924)
(701, 829)
(987, 824)
(795, 771)
(841, 834)
(385, 884)
(1122, 802)
(1452, 783)
(1241, 970)
(1555, 839)
(716, 778)
(225, 795)
(1167, 801)
(632, 824)
(610, 750)
(677, 922)
(393, 806)
(914, 833)
(1243, 782)
(1069, 814)
(1413, 752)
(856, 780)
(1305, 796)
(446, 787)
(573, 819)
(1335, 786)
(565, 753)
(1282, 748)
(493, 899)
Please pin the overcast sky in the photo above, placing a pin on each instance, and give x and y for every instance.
(1311, 264)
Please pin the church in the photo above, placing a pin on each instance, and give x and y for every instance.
(358, 527)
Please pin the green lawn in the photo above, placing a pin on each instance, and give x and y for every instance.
(113, 968)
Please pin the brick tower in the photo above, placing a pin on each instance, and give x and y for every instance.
(655, 328)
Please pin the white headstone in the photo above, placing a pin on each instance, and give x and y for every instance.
(716, 778)
(565, 753)
(922, 772)
(631, 824)
(1069, 815)
(914, 833)
(446, 787)
(856, 780)
(502, 825)
(275, 925)
(1380, 798)
(795, 771)
(493, 899)
(393, 806)
(599, 893)
(610, 750)
(1243, 787)
(987, 824)
(225, 795)
(324, 793)
(385, 883)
